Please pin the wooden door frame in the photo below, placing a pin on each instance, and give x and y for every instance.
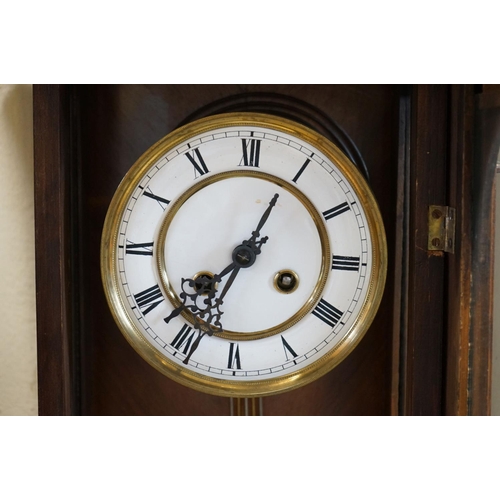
(442, 339)
(56, 337)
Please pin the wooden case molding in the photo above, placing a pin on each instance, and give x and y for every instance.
(438, 307)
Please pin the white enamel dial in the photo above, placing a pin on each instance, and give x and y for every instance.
(200, 193)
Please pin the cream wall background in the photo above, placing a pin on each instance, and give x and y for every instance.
(18, 381)
(18, 378)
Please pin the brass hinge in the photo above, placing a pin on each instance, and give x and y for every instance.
(441, 229)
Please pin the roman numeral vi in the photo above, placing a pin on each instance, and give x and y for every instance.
(234, 356)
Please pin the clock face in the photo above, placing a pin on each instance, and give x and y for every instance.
(243, 255)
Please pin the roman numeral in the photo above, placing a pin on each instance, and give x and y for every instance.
(234, 356)
(327, 313)
(148, 299)
(139, 248)
(161, 201)
(251, 152)
(339, 209)
(287, 348)
(301, 171)
(183, 339)
(341, 263)
(198, 162)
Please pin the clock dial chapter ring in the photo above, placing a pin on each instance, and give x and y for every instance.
(169, 284)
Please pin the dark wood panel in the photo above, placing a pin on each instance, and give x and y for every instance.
(401, 262)
(56, 374)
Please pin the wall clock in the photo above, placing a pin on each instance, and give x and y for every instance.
(243, 255)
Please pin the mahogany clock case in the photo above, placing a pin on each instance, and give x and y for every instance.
(413, 143)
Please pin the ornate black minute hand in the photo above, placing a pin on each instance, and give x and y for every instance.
(206, 319)
(264, 218)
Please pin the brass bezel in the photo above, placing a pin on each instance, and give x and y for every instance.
(241, 388)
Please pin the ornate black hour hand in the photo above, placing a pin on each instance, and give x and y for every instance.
(200, 292)
(203, 303)
(205, 311)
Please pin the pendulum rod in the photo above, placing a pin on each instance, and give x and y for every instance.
(246, 407)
